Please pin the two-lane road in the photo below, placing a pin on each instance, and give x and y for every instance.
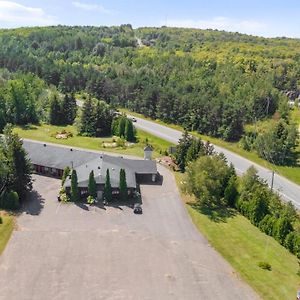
(287, 189)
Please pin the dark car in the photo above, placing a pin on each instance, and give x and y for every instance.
(137, 208)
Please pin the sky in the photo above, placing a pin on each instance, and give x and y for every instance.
(269, 18)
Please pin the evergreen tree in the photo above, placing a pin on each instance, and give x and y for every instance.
(3, 113)
(69, 109)
(231, 192)
(182, 149)
(66, 173)
(195, 150)
(282, 228)
(103, 119)
(74, 187)
(87, 122)
(129, 131)
(121, 128)
(107, 194)
(115, 126)
(55, 114)
(92, 187)
(19, 165)
(123, 185)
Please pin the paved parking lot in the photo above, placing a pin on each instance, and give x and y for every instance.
(66, 251)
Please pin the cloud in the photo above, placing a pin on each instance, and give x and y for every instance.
(15, 14)
(93, 7)
(220, 23)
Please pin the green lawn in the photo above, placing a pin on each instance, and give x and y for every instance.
(292, 173)
(44, 133)
(244, 246)
(5, 231)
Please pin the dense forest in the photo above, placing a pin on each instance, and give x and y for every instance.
(209, 81)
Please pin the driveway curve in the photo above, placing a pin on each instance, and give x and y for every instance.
(68, 251)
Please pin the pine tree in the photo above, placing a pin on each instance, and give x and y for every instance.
(19, 165)
(121, 129)
(92, 187)
(123, 185)
(115, 126)
(103, 119)
(74, 187)
(55, 111)
(107, 194)
(195, 150)
(181, 150)
(87, 122)
(129, 131)
(69, 109)
(231, 192)
(66, 173)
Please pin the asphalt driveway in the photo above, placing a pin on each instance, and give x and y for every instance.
(67, 251)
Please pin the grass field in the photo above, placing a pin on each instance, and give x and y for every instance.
(5, 231)
(290, 172)
(243, 245)
(44, 133)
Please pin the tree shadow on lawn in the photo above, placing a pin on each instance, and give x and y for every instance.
(218, 214)
(34, 204)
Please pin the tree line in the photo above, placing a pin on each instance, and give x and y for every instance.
(216, 186)
(207, 81)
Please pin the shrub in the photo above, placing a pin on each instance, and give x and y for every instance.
(1, 221)
(120, 143)
(266, 224)
(290, 241)
(90, 200)
(265, 266)
(12, 200)
(231, 193)
(282, 228)
(64, 197)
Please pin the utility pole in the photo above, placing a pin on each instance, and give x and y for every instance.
(272, 181)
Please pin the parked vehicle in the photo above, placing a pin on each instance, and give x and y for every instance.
(137, 208)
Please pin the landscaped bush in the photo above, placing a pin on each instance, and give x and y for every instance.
(10, 200)
(90, 200)
(1, 221)
(63, 196)
(265, 266)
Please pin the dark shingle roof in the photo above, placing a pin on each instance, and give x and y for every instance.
(84, 162)
(55, 156)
